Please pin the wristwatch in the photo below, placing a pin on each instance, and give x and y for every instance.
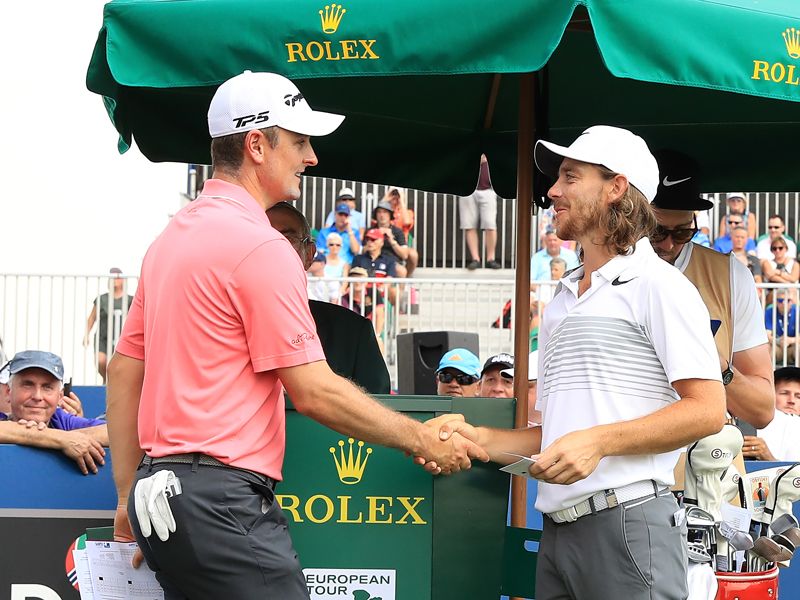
(727, 375)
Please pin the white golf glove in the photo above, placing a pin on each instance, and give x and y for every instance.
(151, 501)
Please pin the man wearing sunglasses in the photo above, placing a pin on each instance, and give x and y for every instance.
(776, 229)
(724, 243)
(458, 374)
(726, 286)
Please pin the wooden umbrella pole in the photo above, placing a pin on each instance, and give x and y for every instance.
(522, 316)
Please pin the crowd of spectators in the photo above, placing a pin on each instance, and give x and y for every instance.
(460, 374)
(770, 257)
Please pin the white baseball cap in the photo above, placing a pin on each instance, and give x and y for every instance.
(612, 147)
(533, 367)
(257, 100)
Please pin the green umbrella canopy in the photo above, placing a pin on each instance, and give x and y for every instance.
(428, 86)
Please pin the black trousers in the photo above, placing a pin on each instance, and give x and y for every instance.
(231, 540)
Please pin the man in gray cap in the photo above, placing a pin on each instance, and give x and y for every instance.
(35, 390)
(219, 327)
(629, 376)
(725, 285)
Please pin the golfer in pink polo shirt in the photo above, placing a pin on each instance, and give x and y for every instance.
(218, 327)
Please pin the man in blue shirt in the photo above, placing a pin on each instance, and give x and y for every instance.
(351, 239)
(724, 243)
(780, 320)
(540, 262)
(36, 387)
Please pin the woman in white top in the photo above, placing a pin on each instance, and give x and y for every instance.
(335, 266)
(781, 269)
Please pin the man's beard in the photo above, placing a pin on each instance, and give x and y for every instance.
(584, 217)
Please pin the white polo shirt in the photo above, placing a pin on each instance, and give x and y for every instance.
(612, 354)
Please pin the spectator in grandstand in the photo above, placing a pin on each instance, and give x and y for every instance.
(357, 218)
(782, 268)
(351, 239)
(318, 290)
(335, 267)
(496, 381)
(780, 440)
(5, 392)
(375, 261)
(551, 248)
(394, 240)
(776, 229)
(367, 300)
(479, 209)
(724, 244)
(348, 339)
(109, 315)
(780, 320)
(35, 419)
(402, 216)
(558, 266)
(703, 235)
(737, 205)
(458, 374)
(739, 241)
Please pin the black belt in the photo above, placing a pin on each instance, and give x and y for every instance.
(203, 459)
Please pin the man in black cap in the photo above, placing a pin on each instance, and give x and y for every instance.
(724, 283)
(495, 382)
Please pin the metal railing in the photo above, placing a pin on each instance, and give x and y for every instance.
(437, 235)
(50, 312)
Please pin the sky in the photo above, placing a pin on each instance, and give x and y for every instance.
(75, 205)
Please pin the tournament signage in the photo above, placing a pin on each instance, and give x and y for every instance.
(327, 49)
(787, 72)
(342, 497)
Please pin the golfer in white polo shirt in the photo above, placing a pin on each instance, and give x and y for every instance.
(628, 375)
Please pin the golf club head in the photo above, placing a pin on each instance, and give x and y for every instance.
(697, 553)
(740, 541)
(784, 541)
(698, 518)
(785, 491)
(770, 551)
(793, 535)
(783, 523)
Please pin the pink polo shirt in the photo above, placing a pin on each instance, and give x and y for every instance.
(221, 303)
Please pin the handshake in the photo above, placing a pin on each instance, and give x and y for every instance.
(450, 445)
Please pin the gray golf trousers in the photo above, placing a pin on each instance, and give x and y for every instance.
(633, 551)
(225, 546)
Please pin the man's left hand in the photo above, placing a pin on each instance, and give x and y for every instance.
(569, 459)
(755, 448)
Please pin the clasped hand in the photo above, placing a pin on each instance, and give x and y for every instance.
(456, 446)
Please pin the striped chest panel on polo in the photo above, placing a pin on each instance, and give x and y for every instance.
(606, 354)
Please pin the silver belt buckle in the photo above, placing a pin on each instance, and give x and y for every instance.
(570, 514)
(611, 498)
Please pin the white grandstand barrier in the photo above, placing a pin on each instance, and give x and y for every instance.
(49, 312)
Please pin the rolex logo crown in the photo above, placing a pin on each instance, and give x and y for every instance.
(350, 468)
(331, 17)
(792, 39)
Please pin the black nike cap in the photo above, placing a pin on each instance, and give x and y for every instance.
(679, 187)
